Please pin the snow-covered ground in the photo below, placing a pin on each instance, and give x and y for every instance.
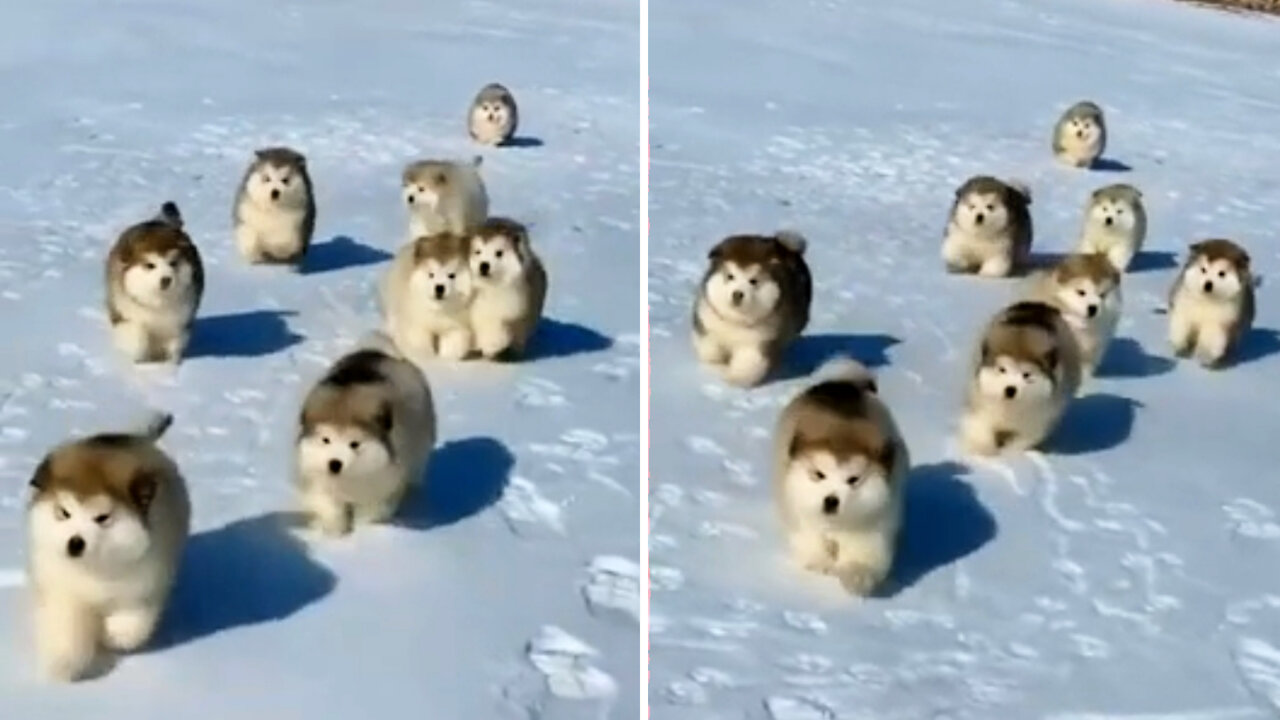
(523, 552)
(1127, 572)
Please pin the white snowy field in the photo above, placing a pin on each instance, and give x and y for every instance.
(509, 588)
(1127, 571)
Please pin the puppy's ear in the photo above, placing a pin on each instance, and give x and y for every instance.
(384, 419)
(1051, 359)
(795, 447)
(888, 456)
(43, 476)
(142, 490)
(260, 155)
(985, 353)
(716, 252)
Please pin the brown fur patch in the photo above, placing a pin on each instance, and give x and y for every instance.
(1221, 249)
(128, 469)
(442, 247)
(775, 257)
(1083, 109)
(434, 174)
(356, 406)
(833, 416)
(1024, 331)
(1119, 192)
(281, 157)
(1092, 266)
(516, 232)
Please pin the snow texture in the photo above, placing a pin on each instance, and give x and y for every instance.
(1127, 571)
(530, 519)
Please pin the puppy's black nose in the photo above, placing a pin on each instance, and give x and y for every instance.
(736, 297)
(1092, 310)
(439, 292)
(335, 466)
(275, 194)
(830, 504)
(165, 282)
(1010, 392)
(1080, 134)
(484, 269)
(410, 199)
(979, 218)
(1107, 221)
(75, 546)
(1208, 286)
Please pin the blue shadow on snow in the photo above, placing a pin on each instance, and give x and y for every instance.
(253, 333)
(523, 141)
(1126, 358)
(464, 477)
(1109, 165)
(555, 338)
(808, 352)
(341, 252)
(1257, 344)
(1094, 422)
(1149, 260)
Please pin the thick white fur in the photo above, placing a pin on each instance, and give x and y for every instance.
(503, 298)
(271, 228)
(1079, 150)
(460, 210)
(421, 325)
(1092, 334)
(491, 122)
(990, 243)
(149, 309)
(1199, 322)
(736, 337)
(1122, 240)
(1034, 412)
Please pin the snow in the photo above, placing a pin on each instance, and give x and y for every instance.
(1126, 572)
(508, 590)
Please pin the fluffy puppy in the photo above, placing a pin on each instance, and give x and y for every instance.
(753, 301)
(444, 196)
(1211, 304)
(107, 524)
(1115, 224)
(493, 117)
(1080, 135)
(155, 280)
(426, 298)
(840, 468)
(510, 287)
(275, 210)
(365, 435)
(1026, 370)
(989, 228)
(1085, 289)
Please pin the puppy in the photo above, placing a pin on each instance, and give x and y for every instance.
(1115, 224)
(1085, 289)
(1080, 135)
(840, 468)
(365, 435)
(107, 524)
(493, 117)
(426, 298)
(1211, 304)
(510, 285)
(275, 211)
(155, 280)
(1026, 369)
(753, 301)
(989, 228)
(444, 196)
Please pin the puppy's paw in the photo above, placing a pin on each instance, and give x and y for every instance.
(860, 580)
(813, 553)
(129, 629)
(747, 368)
(455, 345)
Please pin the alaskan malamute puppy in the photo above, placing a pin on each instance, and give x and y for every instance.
(1115, 224)
(989, 228)
(1080, 135)
(426, 298)
(1211, 304)
(444, 196)
(493, 117)
(510, 287)
(1086, 290)
(275, 211)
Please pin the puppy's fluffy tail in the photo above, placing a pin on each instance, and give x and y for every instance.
(382, 342)
(792, 240)
(156, 425)
(169, 213)
(846, 369)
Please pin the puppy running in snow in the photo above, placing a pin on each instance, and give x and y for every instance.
(426, 298)
(155, 280)
(1115, 224)
(1086, 290)
(493, 117)
(753, 301)
(366, 432)
(1026, 371)
(1211, 304)
(107, 525)
(1080, 135)
(275, 212)
(510, 287)
(444, 196)
(840, 468)
(989, 228)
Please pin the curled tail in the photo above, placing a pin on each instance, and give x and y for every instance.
(845, 368)
(170, 214)
(156, 425)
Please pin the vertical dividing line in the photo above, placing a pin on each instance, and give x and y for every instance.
(644, 358)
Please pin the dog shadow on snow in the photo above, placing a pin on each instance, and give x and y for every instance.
(464, 477)
(339, 253)
(245, 573)
(556, 338)
(253, 333)
(943, 522)
(1094, 422)
(1126, 358)
(1257, 344)
(809, 352)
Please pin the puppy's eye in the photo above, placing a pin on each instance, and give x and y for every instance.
(1081, 292)
(728, 277)
(103, 519)
(355, 445)
(1222, 274)
(149, 266)
(173, 264)
(284, 181)
(991, 208)
(325, 440)
(819, 475)
(60, 513)
(753, 282)
(853, 479)
(265, 177)
(498, 254)
(1026, 376)
(453, 276)
(1002, 370)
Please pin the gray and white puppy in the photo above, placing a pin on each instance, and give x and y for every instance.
(493, 117)
(1212, 304)
(444, 196)
(989, 228)
(275, 210)
(366, 432)
(155, 281)
(1080, 135)
(1115, 224)
(510, 287)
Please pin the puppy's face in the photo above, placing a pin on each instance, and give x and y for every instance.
(493, 113)
(828, 489)
(982, 213)
(746, 293)
(423, 189)
(1216, 278)
(1086, 298)
(341, 451)
(158, 278)
(445, 282)
(1014, 380)
(1084, 130)
(281, 185)
(1112, 215)
(95, 531)
(496, 260)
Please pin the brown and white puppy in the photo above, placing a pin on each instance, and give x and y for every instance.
(1211, 304)
(275, 210)
(107, 525)
(753, 301)
(1026, 370)
(1080, 135)
(510, 285)
(1115, 224)
(1086, 290)
(155, 280)
(426, 298)
(840, 469)
(365, 434)
(493, 117)
(444, 196)
(989, 228)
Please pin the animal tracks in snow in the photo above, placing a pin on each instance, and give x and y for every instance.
(613, 587)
